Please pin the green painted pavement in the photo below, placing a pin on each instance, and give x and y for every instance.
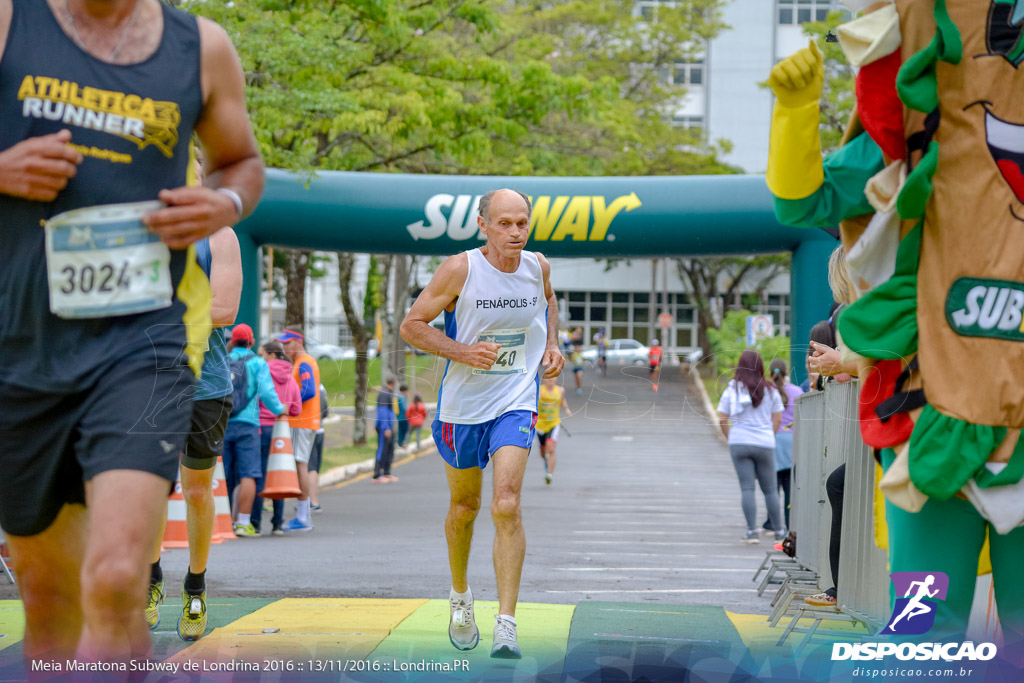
(423, 637)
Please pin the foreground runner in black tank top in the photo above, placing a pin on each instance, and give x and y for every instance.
(98, 101)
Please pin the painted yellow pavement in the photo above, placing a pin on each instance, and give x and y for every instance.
(304, 628)
(12, 622)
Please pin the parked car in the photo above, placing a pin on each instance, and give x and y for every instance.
(620, 352)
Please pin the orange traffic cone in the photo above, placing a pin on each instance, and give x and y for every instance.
(222, 526)
(282, 479)
(176, 530)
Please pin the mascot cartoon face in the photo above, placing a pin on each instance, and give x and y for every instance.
(1004, 38)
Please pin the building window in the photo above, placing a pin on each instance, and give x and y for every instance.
(803, 11)
(690, 72)
(647, 10)
(687, 122)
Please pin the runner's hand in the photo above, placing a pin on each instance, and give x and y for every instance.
(554, 361)
(192, 213)
(481, 355)
(387, 433)
(38, 168)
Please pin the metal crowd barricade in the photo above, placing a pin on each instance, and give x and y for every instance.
(827, 435)
(807, 495)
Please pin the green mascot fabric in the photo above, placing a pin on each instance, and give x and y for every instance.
(883, 323)
(946, 452)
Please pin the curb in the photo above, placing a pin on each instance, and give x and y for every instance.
(709, 409)
(340, 475)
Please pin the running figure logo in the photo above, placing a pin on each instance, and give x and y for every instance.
(914, 613)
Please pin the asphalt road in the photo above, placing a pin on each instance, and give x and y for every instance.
(644, 507)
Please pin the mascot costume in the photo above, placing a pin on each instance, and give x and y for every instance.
(928, 191)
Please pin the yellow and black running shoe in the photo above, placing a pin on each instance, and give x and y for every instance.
(192, 622)
(156, 598)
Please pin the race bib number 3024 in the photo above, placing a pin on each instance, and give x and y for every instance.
(512, 354)
(102, 262)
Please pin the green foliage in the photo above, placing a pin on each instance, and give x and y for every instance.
(730, 340)
(567, 87)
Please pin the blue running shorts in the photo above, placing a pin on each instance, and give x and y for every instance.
(465, 446)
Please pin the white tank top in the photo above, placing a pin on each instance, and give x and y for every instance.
(507, 308)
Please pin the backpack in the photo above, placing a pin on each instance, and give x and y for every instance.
(240, 398)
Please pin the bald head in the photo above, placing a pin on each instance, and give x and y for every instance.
(497, 201)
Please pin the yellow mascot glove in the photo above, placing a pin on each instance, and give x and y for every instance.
(794, 155)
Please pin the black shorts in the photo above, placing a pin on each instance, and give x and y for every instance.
(206, 439)
(316, 453)
(130, 417)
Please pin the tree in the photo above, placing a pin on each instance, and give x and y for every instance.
(468, 86)
(359, 324)
(704, 277)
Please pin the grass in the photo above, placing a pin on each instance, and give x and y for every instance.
(713, 384)
(422, 374)
(347, 455)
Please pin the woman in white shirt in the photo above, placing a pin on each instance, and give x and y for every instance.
(753, 406)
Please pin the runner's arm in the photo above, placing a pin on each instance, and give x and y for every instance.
(553, 360)
(723, 422)
(442, 290)
(225, 277)
(565, 404)
(233, 159)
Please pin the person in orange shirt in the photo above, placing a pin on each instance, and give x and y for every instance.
(654, 362)
(304, 426)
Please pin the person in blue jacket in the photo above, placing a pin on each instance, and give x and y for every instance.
(386, 426)
(242, 466)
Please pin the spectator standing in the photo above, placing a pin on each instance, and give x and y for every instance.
(385, 426)
(251, 378)
(403, 421)
(417, 415)
(307, 375)
(784, 437)
(288, 392)
(316, 455)
(754, 408)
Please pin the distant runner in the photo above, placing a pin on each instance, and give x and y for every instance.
(552, 400)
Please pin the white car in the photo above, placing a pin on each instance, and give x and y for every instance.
(321, 351)
(620, 352)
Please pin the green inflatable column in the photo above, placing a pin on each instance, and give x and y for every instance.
(252, 276)
(810, 298)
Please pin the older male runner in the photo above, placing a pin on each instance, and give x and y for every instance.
(501, 326)
(98, 102)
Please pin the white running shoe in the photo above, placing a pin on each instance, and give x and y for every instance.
(547, 478)
(506, 645)
(462, 630)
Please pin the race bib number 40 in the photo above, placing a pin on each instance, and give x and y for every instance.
(511, 355)
(102, 261)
